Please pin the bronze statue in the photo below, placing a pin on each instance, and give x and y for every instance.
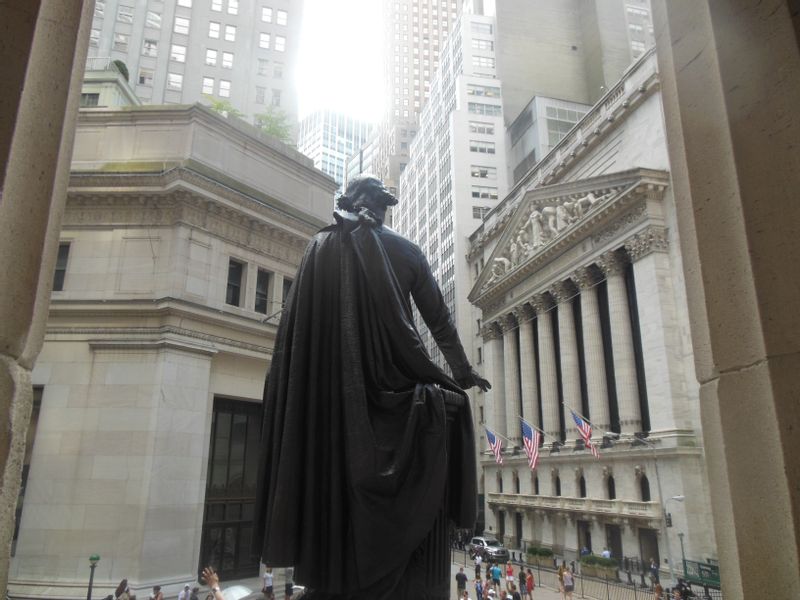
(367, 446)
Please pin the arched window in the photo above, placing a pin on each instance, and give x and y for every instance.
(516, 483)
(536, 485)
(557, 485)
(644, 486)
(582, 487)
(612, 488)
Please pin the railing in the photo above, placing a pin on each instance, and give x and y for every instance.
(101, 63)
(622, 508)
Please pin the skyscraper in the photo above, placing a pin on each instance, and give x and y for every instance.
(330, 138)
(180, 51)
(414, 33)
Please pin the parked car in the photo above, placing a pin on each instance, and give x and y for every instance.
(489, 549)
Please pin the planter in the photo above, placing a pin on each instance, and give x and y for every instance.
(600, 572)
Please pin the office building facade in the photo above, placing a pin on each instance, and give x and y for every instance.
(330, 139)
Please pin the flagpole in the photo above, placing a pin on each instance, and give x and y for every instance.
(532, 426)
(579, 414)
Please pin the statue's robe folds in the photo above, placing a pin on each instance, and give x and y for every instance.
(357, 462)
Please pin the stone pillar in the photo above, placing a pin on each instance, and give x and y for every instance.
(563, 292)
(547, 368)
(612, 264)
(662, 351)
(511, 375)
(493, 344)
(527, 359)
(276, 297)
(736, 197)
(586, 279)
(43, 54)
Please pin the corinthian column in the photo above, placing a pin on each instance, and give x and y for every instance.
(493, 343)
(547, 367)
(563, 292)
(527, 364)
(511, 372)
(612, 264)
(594, 357)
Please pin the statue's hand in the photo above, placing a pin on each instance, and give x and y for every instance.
(473, 379)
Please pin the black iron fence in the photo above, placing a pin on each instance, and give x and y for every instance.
(631, 582)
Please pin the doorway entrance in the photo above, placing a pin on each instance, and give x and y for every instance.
(614, 541)
(584, 537)
(231, 488)
(648, 546)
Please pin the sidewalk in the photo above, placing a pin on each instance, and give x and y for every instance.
(540, 593)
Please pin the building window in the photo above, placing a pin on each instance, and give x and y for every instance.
(61, 266)
(280, 43)
(233, 7)
(482, 28)
(282, 17)
(216, 5)
(261, 95)
(125, 14)
(208, 85)
(488, 91)
(150, 48)
(278, 71)
(262, 289)
(276, 98)
(266, 14)
(480, 356)
(94, 37)
(181, 25)
(479, 44)
(178, 53)
(153, 19)
(224, 88)
(99, 9)
(536, 485)
(559, 122)
(186, 3)
(491, 110)
(484, 192)
(481, 147)
(478, 127)
(211, 57)
(483, 62)
(263, 40)
(480, 212)
(145, 76)
(611, 487)
(89, 100)
(582, 487)
(174, 81)
(227, 60)
(557, 486)
(230, 33)
(213, 30)
(287, 286)
(263, 66)
(483, 172)
(121, 42)
(644, 488)
(234, 289)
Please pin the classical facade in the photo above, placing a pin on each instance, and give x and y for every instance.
(181, 234)
(580, 285)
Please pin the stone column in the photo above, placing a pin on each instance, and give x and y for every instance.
(563, 292)
(612, 264)
(493, 344)
(511, 375)
(527, 360)
(586, 279)
(43, 55)
(547, 368)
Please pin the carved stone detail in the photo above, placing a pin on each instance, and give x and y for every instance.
(620, 224)
(563, 291)
(524, 312)
(507, 322)
(651, 239)
(541, 303)
(612, 263)
(491, 331)
(585, 277)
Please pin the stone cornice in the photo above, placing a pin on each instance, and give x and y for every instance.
(491, 331)
(612, 263)
(650, 239)
(585, 278)
(563, 291)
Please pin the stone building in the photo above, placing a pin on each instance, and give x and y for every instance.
(181, 234)
(579, 279)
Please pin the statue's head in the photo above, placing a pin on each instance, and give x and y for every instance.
(366, 191)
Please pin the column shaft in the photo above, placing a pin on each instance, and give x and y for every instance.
(496, 396)
(547, 370)
(527, 361)
(511, 375)
(568, 350)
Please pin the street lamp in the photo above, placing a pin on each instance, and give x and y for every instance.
(683, 554)
(93, 560)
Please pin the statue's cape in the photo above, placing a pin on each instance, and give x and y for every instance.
(355, 458)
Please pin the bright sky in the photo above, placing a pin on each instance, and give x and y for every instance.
(341, 49)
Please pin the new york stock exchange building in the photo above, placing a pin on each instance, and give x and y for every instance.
(581, 300)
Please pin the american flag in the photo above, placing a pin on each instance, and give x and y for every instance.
(530, 439)
(585, 429)
(495, 445)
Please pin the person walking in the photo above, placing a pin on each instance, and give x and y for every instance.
(185, 592)
(461, 582)
(496, 575)
(478, 587)
(267, 588)
(509, 576)
(478, 561)
(561, 571)
(122, 592)
(513, 593)
(569, 583)
(658, 592)
(529, 585)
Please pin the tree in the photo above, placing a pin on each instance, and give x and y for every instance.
(274, 122)
(223, 107)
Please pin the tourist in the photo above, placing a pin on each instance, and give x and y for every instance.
(509, 576)
(267, 588)
(184, 593)
(569, 583)
(157, 594)
(461, 582)
(529, 585)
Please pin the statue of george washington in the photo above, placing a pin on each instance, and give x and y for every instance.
(367, 446)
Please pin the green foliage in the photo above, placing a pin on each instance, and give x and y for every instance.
(545, 552)
(223, 107)
(600, 561)
(274, 122)
(123, 69)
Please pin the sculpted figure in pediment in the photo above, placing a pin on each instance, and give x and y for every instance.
(549, 223)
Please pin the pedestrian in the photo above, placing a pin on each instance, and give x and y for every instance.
(658, 592)
(569, 584)
(267, 589)
(184, 594)
(561, 571)
(522, 578)
(606, 553)
(195, 595)
(653, 571)
(529, 585)
(478, 561)
(478, 587)
(288, 590)
(496, 575)
(461, 582)
(464, 596)
(212, 580)
(514, 593)
(509, 576)
(489, 566)
(122, 592)
(157, 594)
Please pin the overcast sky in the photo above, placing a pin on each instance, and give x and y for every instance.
(340, 58)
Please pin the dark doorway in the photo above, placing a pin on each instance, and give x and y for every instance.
(501, 526)
(518, 528)
(584, 536)
(231, 488)
(648, 546)
(614, 541)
